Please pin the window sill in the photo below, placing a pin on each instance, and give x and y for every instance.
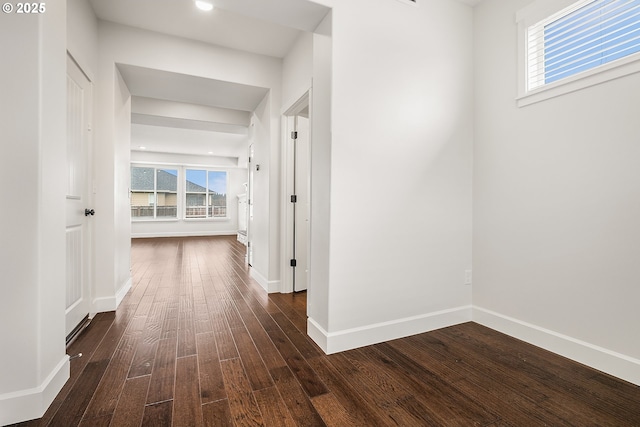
(218, 219)
(154, 219)
(622, 67)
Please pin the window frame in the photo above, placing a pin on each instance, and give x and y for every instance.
(226, 216)
(548, 11)
(155, 216)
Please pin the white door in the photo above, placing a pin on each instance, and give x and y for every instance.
(79, 210)
(250, 207)
(301, 207)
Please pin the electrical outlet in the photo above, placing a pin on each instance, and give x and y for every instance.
(467, 277)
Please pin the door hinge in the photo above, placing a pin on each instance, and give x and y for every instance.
(293, 263)
(294, 198)
(294, 135)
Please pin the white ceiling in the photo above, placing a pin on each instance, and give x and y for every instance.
(187, 141)
(266, 27)
(150, 83)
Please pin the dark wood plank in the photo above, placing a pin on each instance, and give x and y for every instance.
(435, 395)
(509, 401)
(255, 369)
(389, 400)
(274, 411)
(130, 408)
(268, 351)
(106, 396)
(298, 365)
(572, 410)
(584, 383)
(242, 403)
(187, 410)
(158, 414)
(73, 408)
(103, 421)
(298, 403)
(301, 341)
(211, 381)
(357, 410)
(217, 414)
(163, 373)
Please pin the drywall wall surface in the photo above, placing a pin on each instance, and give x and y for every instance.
(82, 36)
(320, 216)
(34, 366)
(297, 70)
(401, 154)
(556, 185)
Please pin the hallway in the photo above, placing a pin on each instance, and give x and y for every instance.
(196, 342)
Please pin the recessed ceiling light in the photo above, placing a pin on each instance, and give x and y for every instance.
(204, 5)
(210, 152)
(142, 148)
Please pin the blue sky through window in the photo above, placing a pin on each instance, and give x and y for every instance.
(598, 33)
(217, 179)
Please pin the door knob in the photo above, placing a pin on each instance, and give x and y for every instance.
(88, 212)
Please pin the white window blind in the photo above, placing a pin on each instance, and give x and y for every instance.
(586, 35)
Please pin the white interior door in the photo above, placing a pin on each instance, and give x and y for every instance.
(301, 207)
(79, 211)
(250, 207)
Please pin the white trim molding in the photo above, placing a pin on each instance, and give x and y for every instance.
(123, 291)
(182, 234)
(111, 303)
(334, 342)
(32, 403)
(269, 286)
(602, 359)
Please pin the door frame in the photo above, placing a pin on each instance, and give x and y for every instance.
(286, 224)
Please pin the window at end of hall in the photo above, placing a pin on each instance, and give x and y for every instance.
(560, 45)
(206, 194)
(154, 193)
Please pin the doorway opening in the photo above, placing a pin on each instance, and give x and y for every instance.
(297, 191)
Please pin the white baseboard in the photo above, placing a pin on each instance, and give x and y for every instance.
(602, 359)
(111, 303)
(123, 291)
(334, 342)
(183, 234)
(32, 403)
(269, 286)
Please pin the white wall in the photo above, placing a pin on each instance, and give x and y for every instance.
(297, 70)
(260, 135)
(82, 36)
(320, 216)
(556, 208)
(401, 152)
(33, 364)
(125, 45)
(122, 182)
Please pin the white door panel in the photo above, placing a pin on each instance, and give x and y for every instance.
(301, 207)
(78, 249)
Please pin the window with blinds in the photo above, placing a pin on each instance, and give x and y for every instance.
(586, 35)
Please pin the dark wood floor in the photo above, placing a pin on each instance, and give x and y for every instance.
(196, 342)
